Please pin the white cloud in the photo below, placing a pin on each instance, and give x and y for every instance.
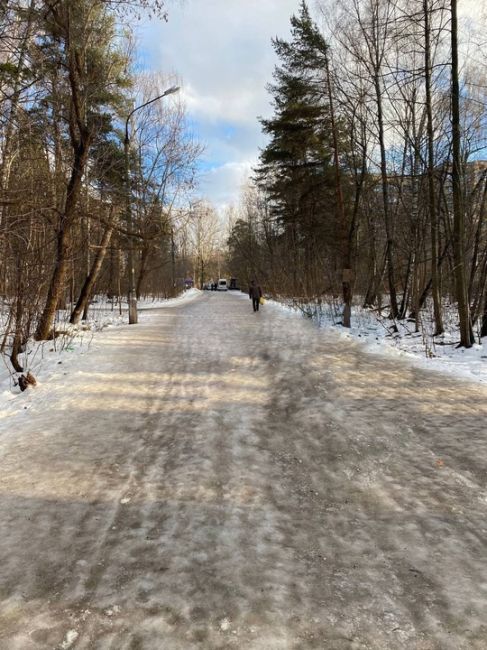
(222, 51)
(223, 183)
(238, 107)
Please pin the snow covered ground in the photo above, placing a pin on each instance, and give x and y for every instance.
(185, 297)
(420, 349)
(213, 478)
(43, 359)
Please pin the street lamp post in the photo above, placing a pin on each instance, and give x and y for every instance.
(132, 295)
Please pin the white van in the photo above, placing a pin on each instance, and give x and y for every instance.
(222, 285)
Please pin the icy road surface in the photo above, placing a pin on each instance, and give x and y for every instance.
(214, 478)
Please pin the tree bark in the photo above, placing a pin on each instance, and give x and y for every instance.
(475, 301)
(345, 244)
(376, 55)
(8, 152)
(91, 278)
(483, 329)
(466, 335)
(385, 202)
(46, 321)
(142, 270)
(19, 312)
(435, 289)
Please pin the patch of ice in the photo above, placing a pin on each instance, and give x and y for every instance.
(70, 638)
(420, 349)
(224, 625)
(112, 611)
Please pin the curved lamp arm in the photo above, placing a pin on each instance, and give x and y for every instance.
(169, 91)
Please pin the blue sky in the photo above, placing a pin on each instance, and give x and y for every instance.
(220, 53)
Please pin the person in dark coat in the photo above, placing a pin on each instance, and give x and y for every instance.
(255, 293)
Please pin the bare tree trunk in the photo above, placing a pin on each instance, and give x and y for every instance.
(483, 329)
(19, 312)
(435, 289)
(427, 288)
(119, 281)
(377, 53)
(385, 202)
(466, 336)
(56, 287)
(8, 150)
(92, 277)
(142, 270)
(405, 296)
(345, 244)
(475, 302)
(481, 291)
(173, 260)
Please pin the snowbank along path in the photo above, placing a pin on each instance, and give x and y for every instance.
(214, 478)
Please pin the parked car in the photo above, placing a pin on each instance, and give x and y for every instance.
(222, 285)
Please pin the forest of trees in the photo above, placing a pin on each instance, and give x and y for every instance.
(372, 187)
(75, 203)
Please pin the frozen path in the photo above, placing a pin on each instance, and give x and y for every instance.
(217, 479)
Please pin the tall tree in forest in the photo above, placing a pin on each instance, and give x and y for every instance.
(466, 336)
(79, 39)
(108, 173)
(296, 166)
(16, 32)
(366, 37)
(162, 170)
(435, 287)
(342, 217)
(317, 57)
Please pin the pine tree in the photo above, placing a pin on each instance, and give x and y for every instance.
(296, 167)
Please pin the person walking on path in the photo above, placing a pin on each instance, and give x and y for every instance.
(255, 293)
